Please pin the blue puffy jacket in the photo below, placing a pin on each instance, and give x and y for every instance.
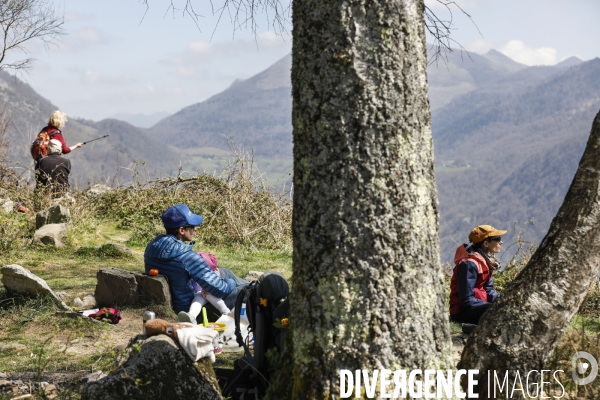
(178, 262)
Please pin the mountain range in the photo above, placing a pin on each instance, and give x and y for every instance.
(507, 137)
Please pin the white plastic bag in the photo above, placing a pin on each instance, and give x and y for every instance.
(227, 339)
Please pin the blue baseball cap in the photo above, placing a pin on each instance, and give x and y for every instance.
(180, 215)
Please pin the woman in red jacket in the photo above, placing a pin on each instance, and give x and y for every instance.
(472, 288)
(58, 119)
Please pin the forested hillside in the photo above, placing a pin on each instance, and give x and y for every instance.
(522, 148)
(255, 112)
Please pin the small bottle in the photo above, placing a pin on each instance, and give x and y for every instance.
(148, 315)
(243, 314)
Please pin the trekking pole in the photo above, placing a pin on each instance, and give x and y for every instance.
(89, 141)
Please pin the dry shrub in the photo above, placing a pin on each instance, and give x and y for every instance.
(235, 210)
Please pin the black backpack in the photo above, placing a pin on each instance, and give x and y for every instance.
(267, 308)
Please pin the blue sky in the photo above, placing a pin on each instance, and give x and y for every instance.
(116, 60)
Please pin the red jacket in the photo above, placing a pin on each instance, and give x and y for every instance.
(471, 283)
(57, 134)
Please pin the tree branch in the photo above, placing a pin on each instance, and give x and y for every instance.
(25, 20)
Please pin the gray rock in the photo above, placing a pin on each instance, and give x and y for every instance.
(153, 290)
(118, 287)
(4, 382)
(252, 276)
(20, 281)
(54, 215)
(160, 370)
(115, 287)
(97, 189)
(94, 376)
(13, 346)
(51, 235)
(3, 375)
(64, 296)
(7, 205)
(66, 199)
(87, 303)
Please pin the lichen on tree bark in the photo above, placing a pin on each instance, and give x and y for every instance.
(367, 284)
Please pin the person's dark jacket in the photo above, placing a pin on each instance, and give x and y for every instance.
(53, 169)
(179, 263)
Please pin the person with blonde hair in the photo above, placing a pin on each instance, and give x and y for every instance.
(57, 120)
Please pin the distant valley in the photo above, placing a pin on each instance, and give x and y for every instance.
(507, 137)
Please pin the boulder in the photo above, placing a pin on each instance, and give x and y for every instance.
(97, 189)
(54, 215)
(159, 370)
(64, 296)
(115, 287)
(252, 276)
(87, 303)
(153, 290)
(7, 205)
(124, 288)
(20, 281)
(51, 235)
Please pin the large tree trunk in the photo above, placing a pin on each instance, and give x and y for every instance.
(520, 331)
(367, 284)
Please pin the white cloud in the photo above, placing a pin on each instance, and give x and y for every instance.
(518, 51)
(200, 47)
(480, 46)
(91, 35)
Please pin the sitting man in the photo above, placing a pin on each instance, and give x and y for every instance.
(52, 171)
(177, 261)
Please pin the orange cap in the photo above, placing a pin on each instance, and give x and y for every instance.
(482, 232)
(153, 272)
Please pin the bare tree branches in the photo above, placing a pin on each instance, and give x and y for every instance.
(441, 28)
(243, 14)
(22, 21)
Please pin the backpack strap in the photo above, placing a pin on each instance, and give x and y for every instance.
(51, 131)
(244, 293)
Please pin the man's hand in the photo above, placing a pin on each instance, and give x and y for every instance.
(77, 146)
